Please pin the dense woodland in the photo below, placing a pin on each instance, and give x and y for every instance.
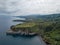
(48, 27)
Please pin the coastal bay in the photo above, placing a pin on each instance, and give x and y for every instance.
(5, 23)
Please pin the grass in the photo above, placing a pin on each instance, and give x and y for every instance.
(25, 25)
(53, 37)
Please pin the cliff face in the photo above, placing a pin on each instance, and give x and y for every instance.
(23, 29)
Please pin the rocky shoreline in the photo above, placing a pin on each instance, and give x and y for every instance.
(10, 32)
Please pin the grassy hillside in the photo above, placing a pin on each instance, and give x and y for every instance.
(48, 25)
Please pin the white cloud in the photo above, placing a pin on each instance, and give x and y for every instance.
(23, 7)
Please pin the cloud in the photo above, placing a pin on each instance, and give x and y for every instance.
(25, 7)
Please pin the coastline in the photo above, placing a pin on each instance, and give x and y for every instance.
(47, 30)
(44, 40)
(10, 32)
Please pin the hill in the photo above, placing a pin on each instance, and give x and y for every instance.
(48, 25)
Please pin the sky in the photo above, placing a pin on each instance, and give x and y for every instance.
(27, 7)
